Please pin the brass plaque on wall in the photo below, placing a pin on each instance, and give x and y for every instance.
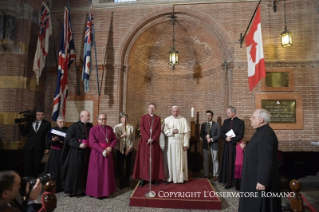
(281, 111)
(285, 109)
(277, 79)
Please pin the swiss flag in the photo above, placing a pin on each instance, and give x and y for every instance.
(255, 54)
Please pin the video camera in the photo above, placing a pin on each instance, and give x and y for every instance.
(29, 117)
(42, 177)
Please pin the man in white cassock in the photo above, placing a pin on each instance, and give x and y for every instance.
(177, 131)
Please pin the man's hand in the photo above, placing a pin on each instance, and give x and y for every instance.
(46, 151)
(242, 145)
(83, 146)
(36, 190)
(175, 131)
(228, 139)
(128, 151)
(185, 148)
(260, 187)
(149, 141)
(104, 153)
(108, 150)
(124, 134)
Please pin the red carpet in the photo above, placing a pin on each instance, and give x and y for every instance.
(194, 194)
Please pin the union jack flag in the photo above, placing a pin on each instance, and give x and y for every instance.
(66, 57)
(88, 43)
(43, 41)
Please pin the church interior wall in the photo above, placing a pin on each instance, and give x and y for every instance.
(212, 73)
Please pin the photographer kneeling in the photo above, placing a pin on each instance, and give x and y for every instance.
(9, 189)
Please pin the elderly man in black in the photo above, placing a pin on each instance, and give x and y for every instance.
(260, 173)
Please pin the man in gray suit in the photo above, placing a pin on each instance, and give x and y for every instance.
(210, 133)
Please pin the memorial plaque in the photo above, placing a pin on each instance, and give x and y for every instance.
(277, 79)
(75, 104)
(285, 109)
(74, 108)
(281, 111)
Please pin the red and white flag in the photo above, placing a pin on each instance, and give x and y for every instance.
(255, 53)
(43, 41)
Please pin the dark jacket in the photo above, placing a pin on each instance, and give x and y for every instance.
(36, 140)
(214, 134)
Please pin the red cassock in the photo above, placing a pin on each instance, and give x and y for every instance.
(142, 161)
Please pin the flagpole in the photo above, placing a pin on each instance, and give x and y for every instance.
(76, 67)
(243, 37)
(56, 61)
(96, 67)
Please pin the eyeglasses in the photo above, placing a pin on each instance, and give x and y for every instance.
(104, 119)
(254, 117)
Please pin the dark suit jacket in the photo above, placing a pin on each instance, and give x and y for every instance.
(214, 134)
(238, 128)
(36, 140)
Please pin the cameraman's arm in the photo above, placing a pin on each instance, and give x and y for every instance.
(23, 129)
(34, 193)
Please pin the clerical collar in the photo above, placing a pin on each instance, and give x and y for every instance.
(151, 114)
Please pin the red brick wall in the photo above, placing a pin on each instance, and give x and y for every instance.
(212, 74)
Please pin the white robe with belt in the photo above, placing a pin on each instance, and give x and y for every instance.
(176, 156)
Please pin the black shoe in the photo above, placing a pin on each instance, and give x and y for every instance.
(166, 182)
(237, 188)
(122, 187)
(228, 187)
(154, 183)
(142, 183)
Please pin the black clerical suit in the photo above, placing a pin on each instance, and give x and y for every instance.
(74, 160)
(260, 166)
(227, 171)
(34, 147)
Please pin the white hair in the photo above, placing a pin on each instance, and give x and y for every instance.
(60, 118)
(262, 113)
(174, 106)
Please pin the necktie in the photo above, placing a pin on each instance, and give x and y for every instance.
(36, 126)
(210, 124)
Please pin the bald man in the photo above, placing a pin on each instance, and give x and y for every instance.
(75, 156)
(178, 132)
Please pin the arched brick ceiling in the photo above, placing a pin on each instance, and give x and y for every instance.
(197, 44)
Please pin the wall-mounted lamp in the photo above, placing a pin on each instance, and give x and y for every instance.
(286, 35)
(173, 54)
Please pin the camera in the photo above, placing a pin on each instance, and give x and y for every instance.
(42, 177)
(29, 117)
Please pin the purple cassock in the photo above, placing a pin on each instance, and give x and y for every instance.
(101, 179)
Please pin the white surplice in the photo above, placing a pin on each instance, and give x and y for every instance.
(176, 156)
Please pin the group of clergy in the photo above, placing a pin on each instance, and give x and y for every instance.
(171, 164)
(85, 163)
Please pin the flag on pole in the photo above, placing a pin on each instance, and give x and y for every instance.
(87, 59)
(66, 57)
(255, 54)
(43, 41)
